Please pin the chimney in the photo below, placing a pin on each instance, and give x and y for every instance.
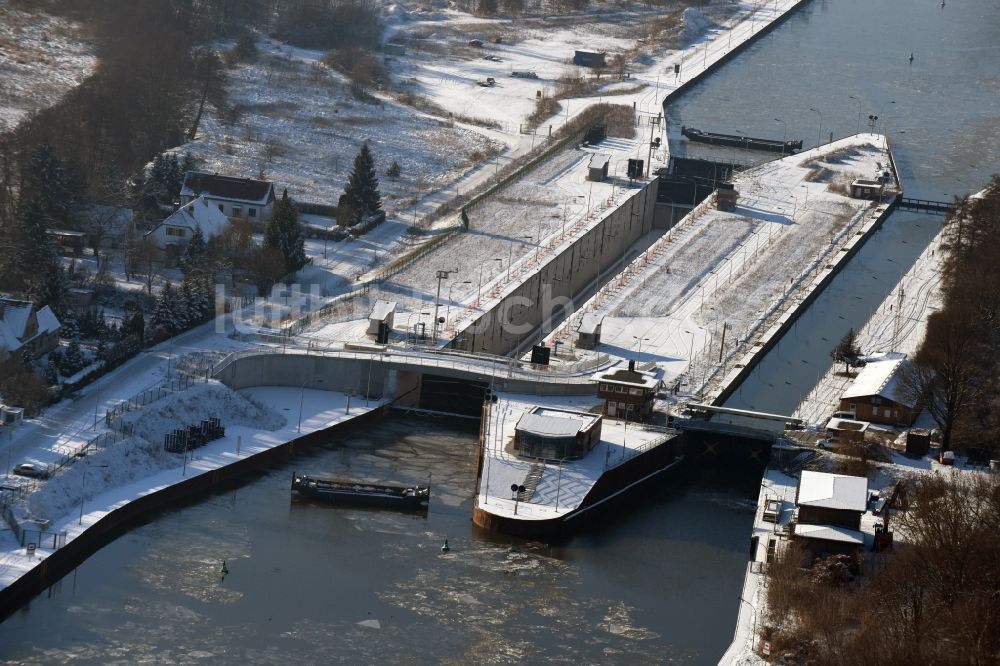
(631, 365)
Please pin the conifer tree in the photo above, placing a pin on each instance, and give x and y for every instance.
(195, 253)
(72, 360)
(36, 265)
(165, 312)
(361, 192)
(284, 234)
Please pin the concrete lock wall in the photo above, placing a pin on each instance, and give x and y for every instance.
(348, 375)
(563, 282)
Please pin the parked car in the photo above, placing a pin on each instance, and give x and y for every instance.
(31, 469)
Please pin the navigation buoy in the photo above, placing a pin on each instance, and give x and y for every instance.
(911, 55)
(225, 569)
(445, 548)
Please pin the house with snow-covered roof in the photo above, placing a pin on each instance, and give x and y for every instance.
(172, 235)
(831, 499)
(874, 396)
(234, 197)
(828, 512)
(23, 327)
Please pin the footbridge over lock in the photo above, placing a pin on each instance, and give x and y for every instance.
(437, 380)
(739, 434)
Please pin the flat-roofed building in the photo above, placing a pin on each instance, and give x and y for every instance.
(556, 434)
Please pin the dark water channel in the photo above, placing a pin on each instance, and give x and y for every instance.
(658, 581)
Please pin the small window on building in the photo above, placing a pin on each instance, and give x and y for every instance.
(251, 212)
(175, 231)
(222, 209)
(853, 407)
(237, 211)
(635, 391)
(604, 388)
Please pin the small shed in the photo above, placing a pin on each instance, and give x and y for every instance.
(590, 59)
(589, 331)
(67, 241)
(382, 314)
(867, 189)
(918, 442)
(598, 167)
(822, 540)
(846, 431)
(79, 298)
(726, 197)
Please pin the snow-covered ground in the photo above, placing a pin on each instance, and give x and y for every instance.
(41, 58)
(734, 269)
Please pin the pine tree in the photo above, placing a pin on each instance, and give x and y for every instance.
(72, 360)
(195, 253)
(165, 311)
(847, 351)
(36, 266)
(69, 328)
(284, 234)
(51, 183)
(361, 192)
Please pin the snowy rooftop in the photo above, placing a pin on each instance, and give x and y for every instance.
(621, 375)
(382, 310)
(829, 533)
(555, 422)
(879, 378)
(833, 491)
(590, 324)
(197, 214)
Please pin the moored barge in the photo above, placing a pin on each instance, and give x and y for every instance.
(338, 491)
(740, 141)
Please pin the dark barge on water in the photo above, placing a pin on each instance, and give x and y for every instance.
(336, 491)
(740, 141)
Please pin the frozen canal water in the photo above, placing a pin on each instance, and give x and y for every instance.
(323, 584)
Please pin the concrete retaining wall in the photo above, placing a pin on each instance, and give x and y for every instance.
(563, 282)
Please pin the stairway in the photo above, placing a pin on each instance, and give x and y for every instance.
(531, 482)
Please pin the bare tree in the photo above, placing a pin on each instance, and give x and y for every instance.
(945, 376)
(146, 260)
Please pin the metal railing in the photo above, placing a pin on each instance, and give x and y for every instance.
(496, 366)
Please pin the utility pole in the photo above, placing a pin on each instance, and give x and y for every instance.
(722, 345)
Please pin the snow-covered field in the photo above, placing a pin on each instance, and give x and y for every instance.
(41, 57)
(299, 125)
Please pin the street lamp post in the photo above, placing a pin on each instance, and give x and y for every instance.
(479, 292)
(819, 138)
(447, 312)
(639, 350)
(858, 100)
(784, 135)
(441, 275)
(882, 108)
